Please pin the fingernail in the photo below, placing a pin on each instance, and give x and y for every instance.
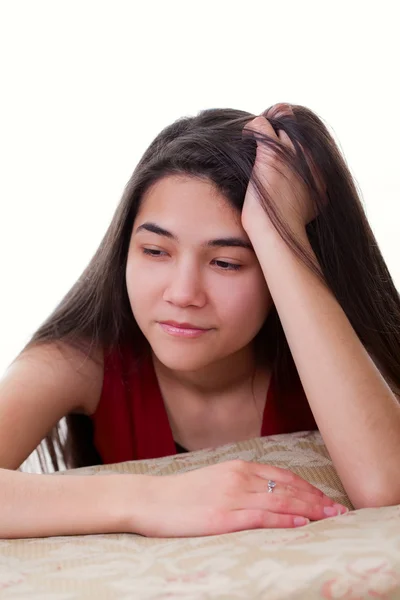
(342, 509)
(298, 521)
(330, 511)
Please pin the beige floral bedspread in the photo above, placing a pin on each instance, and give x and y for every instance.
(350, 557)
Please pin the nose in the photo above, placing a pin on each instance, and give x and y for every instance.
(185, 287)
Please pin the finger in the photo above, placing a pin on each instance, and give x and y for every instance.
(281, 109)
(263, 126)
(292, 491)
(260, 125)
(284, 476)
(313, 510)
(244, 519)
(317, 176)
(285, 139)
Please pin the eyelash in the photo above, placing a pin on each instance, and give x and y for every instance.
(232, 266)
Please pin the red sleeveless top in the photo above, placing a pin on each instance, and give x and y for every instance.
(131, 422)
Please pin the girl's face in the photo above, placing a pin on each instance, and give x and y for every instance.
(190, 261)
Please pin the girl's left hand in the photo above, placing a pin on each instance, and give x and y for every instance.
(288, 192)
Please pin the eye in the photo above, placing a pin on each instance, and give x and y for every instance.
(149, 251)
(227, 266)
(231, 266)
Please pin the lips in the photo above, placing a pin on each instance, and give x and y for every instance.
(183, 325)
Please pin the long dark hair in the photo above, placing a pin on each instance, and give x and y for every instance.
(96, 311)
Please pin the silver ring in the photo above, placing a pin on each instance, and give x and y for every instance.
(271, 485)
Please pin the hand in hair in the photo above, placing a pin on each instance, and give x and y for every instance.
(288, 192)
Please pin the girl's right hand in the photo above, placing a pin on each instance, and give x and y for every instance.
(227, 497)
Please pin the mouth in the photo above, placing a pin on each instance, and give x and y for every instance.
(184, 325)
(188, 330)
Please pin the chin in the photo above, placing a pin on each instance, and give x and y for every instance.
(183, 359)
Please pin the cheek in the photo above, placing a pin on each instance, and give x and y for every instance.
(247, 300)
(141, 284)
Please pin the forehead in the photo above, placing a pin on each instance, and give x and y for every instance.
(182, 198)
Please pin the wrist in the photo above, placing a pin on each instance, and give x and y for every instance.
(263, 233)
(263, 227)
(130, 500)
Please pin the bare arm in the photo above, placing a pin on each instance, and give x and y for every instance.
(37, 390)
(34, 505)
(356, 412)
(221, 498)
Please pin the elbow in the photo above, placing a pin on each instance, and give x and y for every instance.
(377, 498)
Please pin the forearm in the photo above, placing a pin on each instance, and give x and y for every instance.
(33, 505)
(355, 410)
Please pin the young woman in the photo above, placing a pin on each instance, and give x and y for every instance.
(239, 291)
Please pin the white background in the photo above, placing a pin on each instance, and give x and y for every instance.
(86, 85)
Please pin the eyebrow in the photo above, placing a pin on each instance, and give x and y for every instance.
(233, 242)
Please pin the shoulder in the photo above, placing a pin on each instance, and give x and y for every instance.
(46, 382)
(91, 369)
(80, 370)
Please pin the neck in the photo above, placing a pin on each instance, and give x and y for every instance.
(213, 380)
